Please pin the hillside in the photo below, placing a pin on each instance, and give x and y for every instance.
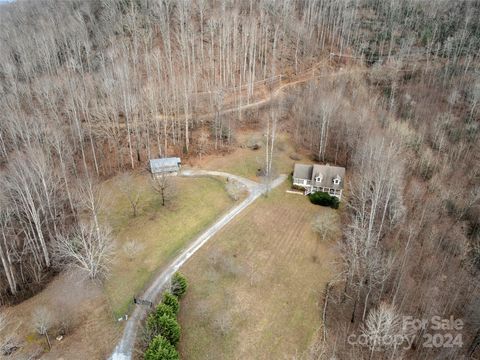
(91, 90)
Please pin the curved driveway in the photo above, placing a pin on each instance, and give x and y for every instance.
(124, 348)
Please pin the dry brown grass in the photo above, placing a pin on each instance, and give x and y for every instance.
(82, 306)
(256, 288)
(245, 162)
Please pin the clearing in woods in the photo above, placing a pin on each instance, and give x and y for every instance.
(256, 288)
(245, 162)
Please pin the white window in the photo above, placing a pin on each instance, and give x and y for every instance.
(336, 180)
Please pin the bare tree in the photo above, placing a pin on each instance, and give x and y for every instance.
(91, 198)
(325, 225)
(367, 268)
(382, 323)
(30, 184)
(131, 191)
(474, 97)
(234, 189)
(164, 185)
(271, 133)
(8, 339)
(202, 143)
(132, 248)
(42, 320)
(3, 321)
(5, 252)
(87, 248)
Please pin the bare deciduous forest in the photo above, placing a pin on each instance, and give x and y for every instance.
(389, 90)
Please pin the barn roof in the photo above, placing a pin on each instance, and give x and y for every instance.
(165, 164)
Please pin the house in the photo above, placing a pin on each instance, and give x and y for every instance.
(167, 166)
(324, 178)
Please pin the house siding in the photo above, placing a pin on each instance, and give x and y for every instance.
(302, 182)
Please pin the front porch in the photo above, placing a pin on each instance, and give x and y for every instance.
(330, 191)
(311, 187)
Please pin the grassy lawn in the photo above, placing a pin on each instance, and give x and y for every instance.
(160, 232)
(256, 288)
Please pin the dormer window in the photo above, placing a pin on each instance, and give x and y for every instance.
(336, 180)
(318, 178)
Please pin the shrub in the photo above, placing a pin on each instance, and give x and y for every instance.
(254, 143)
(234, 189)
(295, 156)
(153, 324)
(164, 309)
(169, 329)
(179, 285)
(151, 327)
(172, 301)
(161, 349)
(324, 199)
(161, 328)
(163, 325)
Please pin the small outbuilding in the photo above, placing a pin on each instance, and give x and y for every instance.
(165, 166)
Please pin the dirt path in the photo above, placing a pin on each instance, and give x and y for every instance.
(124, 348)
(300, 78)
(308, 75)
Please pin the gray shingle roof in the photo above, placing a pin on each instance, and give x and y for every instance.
(326, 172)
(302, 171)
(170, 164)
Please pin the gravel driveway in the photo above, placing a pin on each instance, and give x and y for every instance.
(124, 348)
